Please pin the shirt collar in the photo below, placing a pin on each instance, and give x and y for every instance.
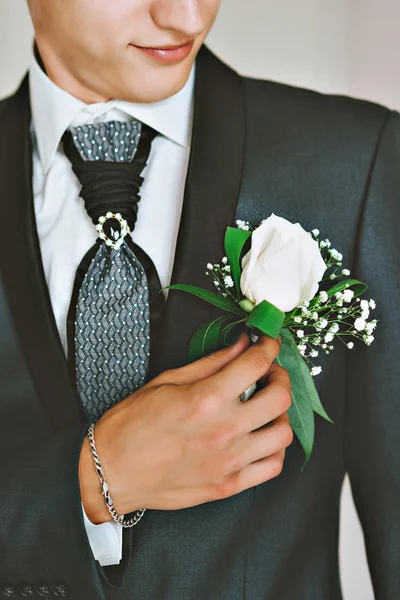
(54, 110)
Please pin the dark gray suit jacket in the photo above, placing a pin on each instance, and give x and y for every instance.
(258, 147)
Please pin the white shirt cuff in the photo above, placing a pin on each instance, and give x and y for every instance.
(105, 541)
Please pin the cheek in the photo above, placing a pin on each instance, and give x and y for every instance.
(211, 8)
(101, 23)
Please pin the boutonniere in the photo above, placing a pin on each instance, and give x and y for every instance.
(278, 279)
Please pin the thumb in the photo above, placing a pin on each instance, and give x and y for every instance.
(210, 364)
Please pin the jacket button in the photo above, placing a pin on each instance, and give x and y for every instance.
(9, 591)
(27, 590)
(43, 591)
(60, 590)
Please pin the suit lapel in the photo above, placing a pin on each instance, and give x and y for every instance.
(211, 197)
(22, 268)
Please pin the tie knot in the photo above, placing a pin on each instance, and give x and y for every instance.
(110, 142)
(108, 159)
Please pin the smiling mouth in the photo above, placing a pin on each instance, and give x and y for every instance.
(167, 54)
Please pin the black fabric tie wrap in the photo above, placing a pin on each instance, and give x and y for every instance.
(110, 186)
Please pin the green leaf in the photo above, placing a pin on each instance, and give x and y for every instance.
(318, 408)
(358, 287)
(235, 240)
(301, 412)
(267, 319)
(206, 339)
(219, 301)
(225, 335)
(315, 399)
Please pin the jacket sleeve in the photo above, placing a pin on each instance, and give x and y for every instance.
(372, 442)
(42, 534)
(43, 539)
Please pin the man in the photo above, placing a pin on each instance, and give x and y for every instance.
(223, 520)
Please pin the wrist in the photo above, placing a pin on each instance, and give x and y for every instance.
(90, 489)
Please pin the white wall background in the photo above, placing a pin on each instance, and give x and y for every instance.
(339, 46)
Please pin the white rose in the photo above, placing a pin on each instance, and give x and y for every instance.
(284, 265)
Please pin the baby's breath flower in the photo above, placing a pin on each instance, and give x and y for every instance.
(302, 349)
(228, 281)
(314, 316)
(323, 296)
(364, 305)
(334, 328)
(336, 255)
(216, 283)
(359, 324)
(297, 319)
(316, 371)
(369, 328)
(242, 225)
(345, 272)
(314, 353)
(225, 260)
(210, 266)
(372, 304)
(369, 339)
(348, 296)
(300, 333)
(322, 323)
(332, 276)
(329, 337)
(350, 345)
(315, 232)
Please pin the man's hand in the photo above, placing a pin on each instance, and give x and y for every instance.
(185, 438)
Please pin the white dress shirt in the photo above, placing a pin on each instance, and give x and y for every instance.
(65, 230)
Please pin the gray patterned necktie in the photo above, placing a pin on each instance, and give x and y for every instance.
(109, 318)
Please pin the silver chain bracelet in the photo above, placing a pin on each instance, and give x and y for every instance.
(104, 488)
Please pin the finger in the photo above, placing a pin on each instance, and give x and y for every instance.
(267, 404)
(260, 471)
(209, 365)
(246, 369)
(254, 474)
(266, 441)
(274, 373)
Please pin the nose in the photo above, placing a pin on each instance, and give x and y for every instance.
(183, 16)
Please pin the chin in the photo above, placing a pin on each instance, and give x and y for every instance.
(156, 86)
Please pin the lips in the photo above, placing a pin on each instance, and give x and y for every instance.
(169, 54)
